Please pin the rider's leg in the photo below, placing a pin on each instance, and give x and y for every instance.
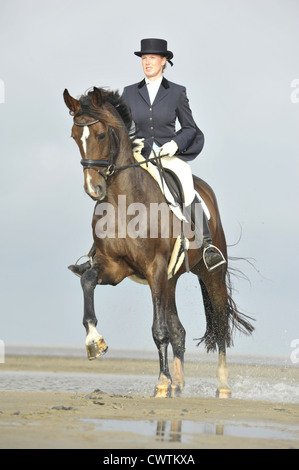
(195, 214)
(213, 258)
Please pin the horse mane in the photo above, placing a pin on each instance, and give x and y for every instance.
(111, 97)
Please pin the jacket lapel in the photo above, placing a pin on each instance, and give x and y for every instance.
(142, 89)
(162, 92)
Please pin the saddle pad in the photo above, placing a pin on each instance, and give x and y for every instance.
(153, 171)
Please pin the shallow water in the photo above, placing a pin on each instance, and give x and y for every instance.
(273, 384)
(248, 388)
(186, 431)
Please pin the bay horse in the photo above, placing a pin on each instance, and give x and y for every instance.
(101, 131)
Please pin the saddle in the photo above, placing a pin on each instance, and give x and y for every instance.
(175, 187)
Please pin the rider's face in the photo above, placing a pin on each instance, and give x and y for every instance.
(153, 65)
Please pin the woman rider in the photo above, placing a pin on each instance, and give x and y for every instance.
(155, 104)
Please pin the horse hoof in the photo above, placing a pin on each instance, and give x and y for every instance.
(223, 393)
(163, 391)
(176, 391)
(96, 349)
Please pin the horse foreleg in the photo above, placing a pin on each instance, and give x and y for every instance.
(161, 338)
(94, 342)
(158, 284)
(177, 339)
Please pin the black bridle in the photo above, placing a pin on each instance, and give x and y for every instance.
(91, 164)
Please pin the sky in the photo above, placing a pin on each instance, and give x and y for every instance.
(238, 60)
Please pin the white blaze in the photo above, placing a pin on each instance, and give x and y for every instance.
(84, 137)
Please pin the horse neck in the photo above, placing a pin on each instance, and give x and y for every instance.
(125, 155)
(130, 180)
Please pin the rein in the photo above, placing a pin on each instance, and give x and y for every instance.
(91, 164)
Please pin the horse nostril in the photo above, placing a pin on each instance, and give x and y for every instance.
(99, 190)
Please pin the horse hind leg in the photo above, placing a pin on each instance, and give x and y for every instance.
(94, 342)
(223, 389)
(218, 332)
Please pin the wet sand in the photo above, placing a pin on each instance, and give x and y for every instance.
(98, 420)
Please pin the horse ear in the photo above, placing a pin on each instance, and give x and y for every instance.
(71, 102)
(97, 97)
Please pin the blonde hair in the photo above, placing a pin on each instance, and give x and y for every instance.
(164, 66)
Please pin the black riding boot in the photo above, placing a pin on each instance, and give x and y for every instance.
(80, 269)
(212, 256)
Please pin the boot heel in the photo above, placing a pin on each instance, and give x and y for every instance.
(79, 269)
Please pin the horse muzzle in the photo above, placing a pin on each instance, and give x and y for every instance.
(97, 193)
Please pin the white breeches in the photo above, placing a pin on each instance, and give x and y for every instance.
(183, 170)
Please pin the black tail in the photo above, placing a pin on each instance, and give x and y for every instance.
(235, 320)
(238, 320)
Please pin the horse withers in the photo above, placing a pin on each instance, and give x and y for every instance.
(124, 246)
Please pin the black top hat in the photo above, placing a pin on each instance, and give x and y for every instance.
(155, 46)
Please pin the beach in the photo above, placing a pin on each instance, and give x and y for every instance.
(53, 411)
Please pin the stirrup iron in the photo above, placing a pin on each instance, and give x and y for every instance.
(217, 266)
(83, 256)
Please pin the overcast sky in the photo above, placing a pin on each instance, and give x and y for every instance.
(239, 62)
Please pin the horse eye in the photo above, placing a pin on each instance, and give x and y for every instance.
(101, 136)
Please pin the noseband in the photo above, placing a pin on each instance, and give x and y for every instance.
(90, 164)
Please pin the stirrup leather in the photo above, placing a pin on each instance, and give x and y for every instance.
(216, 267)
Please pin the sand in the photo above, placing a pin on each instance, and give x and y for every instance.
(98, 420)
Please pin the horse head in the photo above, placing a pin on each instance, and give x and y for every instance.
(93, 132)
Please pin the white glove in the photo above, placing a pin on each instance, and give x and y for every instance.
(169, 148)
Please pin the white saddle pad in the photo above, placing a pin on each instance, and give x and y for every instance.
(181, 169)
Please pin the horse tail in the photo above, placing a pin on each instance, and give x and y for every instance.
(238, 320)
(234, 319)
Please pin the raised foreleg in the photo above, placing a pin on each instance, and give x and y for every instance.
(94, 342)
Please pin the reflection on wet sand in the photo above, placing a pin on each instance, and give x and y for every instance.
(171, 431)
(184, 431)
(172, 435)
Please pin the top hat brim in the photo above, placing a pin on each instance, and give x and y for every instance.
(167, 54)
